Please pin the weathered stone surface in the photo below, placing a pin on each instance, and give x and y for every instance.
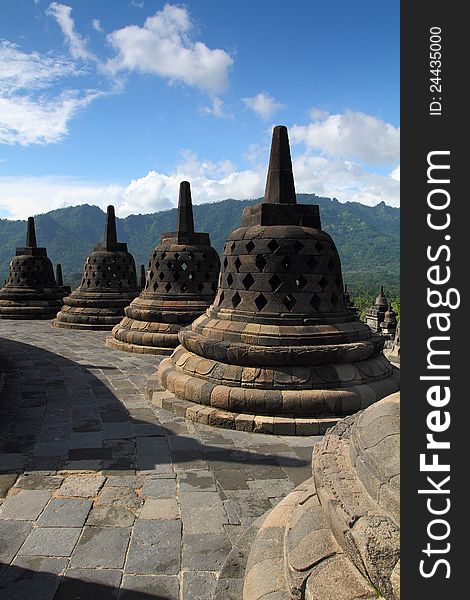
(12, 536)
(24, 505)
(160, 508)
(181, 283)
(32, 577)
(51, 541)
(148, 586)
(155, 548)
(65, 512)
(81, 486)
(103, 548)
(89, 583)
(279, 344)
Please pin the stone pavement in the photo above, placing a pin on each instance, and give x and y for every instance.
(103, 495)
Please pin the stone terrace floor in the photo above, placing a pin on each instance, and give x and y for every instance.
(103, 495)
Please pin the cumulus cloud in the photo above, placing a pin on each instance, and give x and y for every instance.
(217, 109)
(395, 174)
(263, 105)
(163, 46)
(351, 135)
(77, 45)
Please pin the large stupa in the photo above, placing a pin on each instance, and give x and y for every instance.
(278, 350)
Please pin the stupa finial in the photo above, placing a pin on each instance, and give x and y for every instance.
(184, 219)
(31, 234)
(58, 275)
(110, 235)
(280, 187)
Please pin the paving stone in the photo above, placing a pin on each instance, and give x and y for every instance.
(232, 480)
(101, 547)
(152, 453)
(202, 512)
(12, 462)
(12, 535)
(7, 481)
(32, 578)
(159, 488)
(131, 481)
(38, 481)
(51, 541)
(204, 551)
(110, 516)
(135, 587)
(65, 512)
(25, 505)
(249, 505)
(89, 584)
(119, 496)
(198, 586)
(160, 508)
(155, 548)
(193, 481)
(81, 486)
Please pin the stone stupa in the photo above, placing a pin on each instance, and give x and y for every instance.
(278, 351)
(181, 283)
(376, 313)
(30, 291)
(109, 283)
(337, 535)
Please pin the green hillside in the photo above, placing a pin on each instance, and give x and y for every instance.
(368, 238)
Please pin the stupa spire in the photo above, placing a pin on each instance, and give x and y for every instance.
(58, 275)
(280, 187)
(31, 234)
(184, 219)
(110, 235)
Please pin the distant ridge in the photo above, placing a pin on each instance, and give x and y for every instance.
(368, 238)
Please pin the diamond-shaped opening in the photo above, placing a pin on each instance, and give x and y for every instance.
(161, 275)
(273, 245)
(315, 302)
(151, 274)
(157, 264)
(225, 262)
(248, 281)
(285, 263)
(298, 246)
(319, 246)
(301, 282)
(232, 246)
(323, 283)
(98, 281)
(155, 286)
(204, 256)
(207, 276)
(250, 246)
(238, 264)
(190, 256)
(184, 288)
(275, 282)
(260, 262)
(312, 262)
(200, 287)
(176, 276)
(213, 287)
(289, 302)
(184, 266)
(163, 255)
(334, 299)
(331, 264)
(260, 301)
(236, 300)
(198, 266)
(168, 287)
(191, 276)
(229, 279)
(177, 255)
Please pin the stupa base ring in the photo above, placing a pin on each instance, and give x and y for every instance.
(21, 311)
(90, 326)
(343, 401)
(115, 344)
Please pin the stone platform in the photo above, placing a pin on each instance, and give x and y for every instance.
(105, 495)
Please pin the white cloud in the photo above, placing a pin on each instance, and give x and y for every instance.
(263, 105)
(395, 174)
(163, 47)
(317, 114)
(25, 121)
(137, 4)
(21, 70)
(77, 45)
(217, 109)
(352, 135)
(96, 24)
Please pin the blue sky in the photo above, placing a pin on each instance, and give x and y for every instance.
(116, 102)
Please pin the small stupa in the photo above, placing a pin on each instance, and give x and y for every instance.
(30, 291)
(376, 313)
(181, 283)
(109, 283)
(278, 351)
(60, 280)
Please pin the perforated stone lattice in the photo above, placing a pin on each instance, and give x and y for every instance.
(109, 271)
(281, 275)
(172, 272)
(31, 271)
